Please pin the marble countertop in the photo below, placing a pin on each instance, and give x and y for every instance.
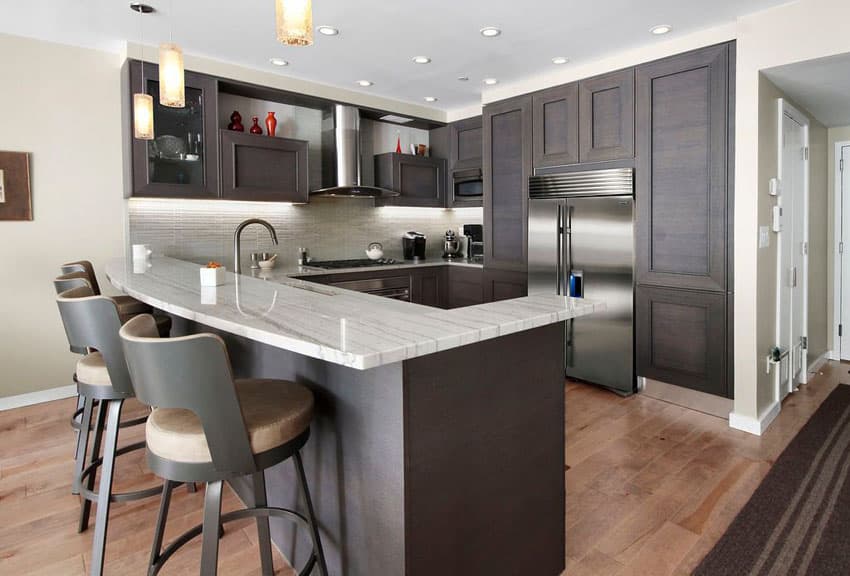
(295, 270)
(353, 329)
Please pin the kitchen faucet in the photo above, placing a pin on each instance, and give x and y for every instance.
(237, 241)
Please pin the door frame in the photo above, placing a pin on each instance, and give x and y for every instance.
(837, 272)
(784, 109)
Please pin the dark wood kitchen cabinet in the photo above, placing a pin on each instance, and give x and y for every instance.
(556, 120)
(607, 117)
(465, 144)
(681, 336)
(421, 181)
(682, 174)
(257, 167)
(466, 286)
(182, 161)
(429, 286)
(504, 284)
(507, 167)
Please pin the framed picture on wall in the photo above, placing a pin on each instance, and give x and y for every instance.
(15, 194)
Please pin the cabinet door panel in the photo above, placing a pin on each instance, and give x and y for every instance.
(420, 181)
(556, 126)
(262, 168)
(681, 338)
(504, 285)
(507, 167)
(682, 170)
(428, 287)
(466, 144)
(466, 286)
(607, 117)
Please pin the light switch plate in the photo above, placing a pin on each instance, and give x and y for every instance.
(764, 237)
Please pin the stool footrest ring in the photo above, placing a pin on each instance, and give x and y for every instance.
(93, 496)
(266, 511)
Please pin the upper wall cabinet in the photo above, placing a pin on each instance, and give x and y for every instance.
(421, 181)
(607, 117)
(256, 167)
(556, 119)
(182, 160)
(682, 168)
(507, 167)
(465, 144)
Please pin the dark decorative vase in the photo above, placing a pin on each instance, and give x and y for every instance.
(271, 124)
(236, 122)
(255, 129)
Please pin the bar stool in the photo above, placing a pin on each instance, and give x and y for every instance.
(91, 323)
(127, 305)
(208, 427)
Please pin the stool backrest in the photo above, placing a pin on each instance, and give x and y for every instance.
(67, 282)
(192, 373)
(86, 268)
(92, 322)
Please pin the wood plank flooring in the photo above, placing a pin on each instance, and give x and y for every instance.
(650, 488)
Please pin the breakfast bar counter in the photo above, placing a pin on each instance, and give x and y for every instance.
(438, 440)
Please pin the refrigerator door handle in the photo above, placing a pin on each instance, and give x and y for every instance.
(560, 264)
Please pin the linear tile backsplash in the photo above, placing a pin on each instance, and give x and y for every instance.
(198, 230)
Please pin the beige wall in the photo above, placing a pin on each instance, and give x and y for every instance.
(834, 135)
(61, 104)
(789, 33)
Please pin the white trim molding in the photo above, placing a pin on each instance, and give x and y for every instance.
(837, 272)
(753, 425)
(21, 400)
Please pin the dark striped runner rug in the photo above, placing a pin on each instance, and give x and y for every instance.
(798, 520)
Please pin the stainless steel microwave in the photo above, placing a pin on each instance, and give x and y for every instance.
(468, 184)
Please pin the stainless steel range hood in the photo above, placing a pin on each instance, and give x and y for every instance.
(347, 159)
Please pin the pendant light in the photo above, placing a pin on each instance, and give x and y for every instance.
(172, 85)
(142, 102)
(294, 22)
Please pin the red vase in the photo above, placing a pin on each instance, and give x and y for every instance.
(255, 129)
(271, 124)
(236, 122)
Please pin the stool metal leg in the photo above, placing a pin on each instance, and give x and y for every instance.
(263, 533)
(104, 493)
(82, 444)
(159, 531)
(314, 526)
(212, 522)
(100, 421)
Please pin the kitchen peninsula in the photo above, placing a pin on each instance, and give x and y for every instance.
(438, 442)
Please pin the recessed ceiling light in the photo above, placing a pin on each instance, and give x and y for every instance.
(490, 81)
(328, 30)
(560, 60)
(431, 98)
(421, 59)
(490, 31)
(278, 61)
(364, 83)
(463, 78)
(661, 29)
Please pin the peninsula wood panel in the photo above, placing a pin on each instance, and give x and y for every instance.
(681, 176)
(682, 338)
(556, 119)
(607, 117)
(507, 167)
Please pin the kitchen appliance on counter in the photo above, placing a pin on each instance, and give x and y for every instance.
(581, 243)
(413, 244)
(475, 240)
(451, 246)
(354, 263)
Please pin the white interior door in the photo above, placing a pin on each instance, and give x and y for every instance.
(844, 183)
(792, 271)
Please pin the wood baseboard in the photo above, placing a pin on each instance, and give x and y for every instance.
(21, 400)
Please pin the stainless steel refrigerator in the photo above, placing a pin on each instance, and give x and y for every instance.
(581, 243)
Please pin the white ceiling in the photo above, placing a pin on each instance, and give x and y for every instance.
(821, 86)
(379, 37)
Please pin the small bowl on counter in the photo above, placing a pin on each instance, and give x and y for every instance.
(268, 263)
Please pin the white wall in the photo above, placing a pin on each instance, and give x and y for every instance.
(61, 104)
(834, 135)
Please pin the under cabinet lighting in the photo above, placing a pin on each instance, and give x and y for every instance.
(294, 22)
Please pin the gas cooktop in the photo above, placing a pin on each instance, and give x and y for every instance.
(356, 263)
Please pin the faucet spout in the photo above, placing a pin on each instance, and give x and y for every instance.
(237, 240)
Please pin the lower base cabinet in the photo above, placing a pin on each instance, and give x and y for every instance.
(504, 284)
(681, 338)
(429, 287)
(466, 286)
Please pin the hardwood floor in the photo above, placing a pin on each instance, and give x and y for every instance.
(650, 488)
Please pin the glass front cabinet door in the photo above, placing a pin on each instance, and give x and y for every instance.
(182, 159)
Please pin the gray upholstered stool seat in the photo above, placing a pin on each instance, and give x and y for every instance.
(275, 412)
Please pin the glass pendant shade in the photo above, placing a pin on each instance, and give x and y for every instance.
(172, 88)
(143, 116)
(294, 22)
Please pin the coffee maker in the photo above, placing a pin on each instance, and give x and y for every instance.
(413, 244)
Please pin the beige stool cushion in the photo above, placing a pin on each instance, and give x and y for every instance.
(129, 306)
(275, 412)
(91, 370)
